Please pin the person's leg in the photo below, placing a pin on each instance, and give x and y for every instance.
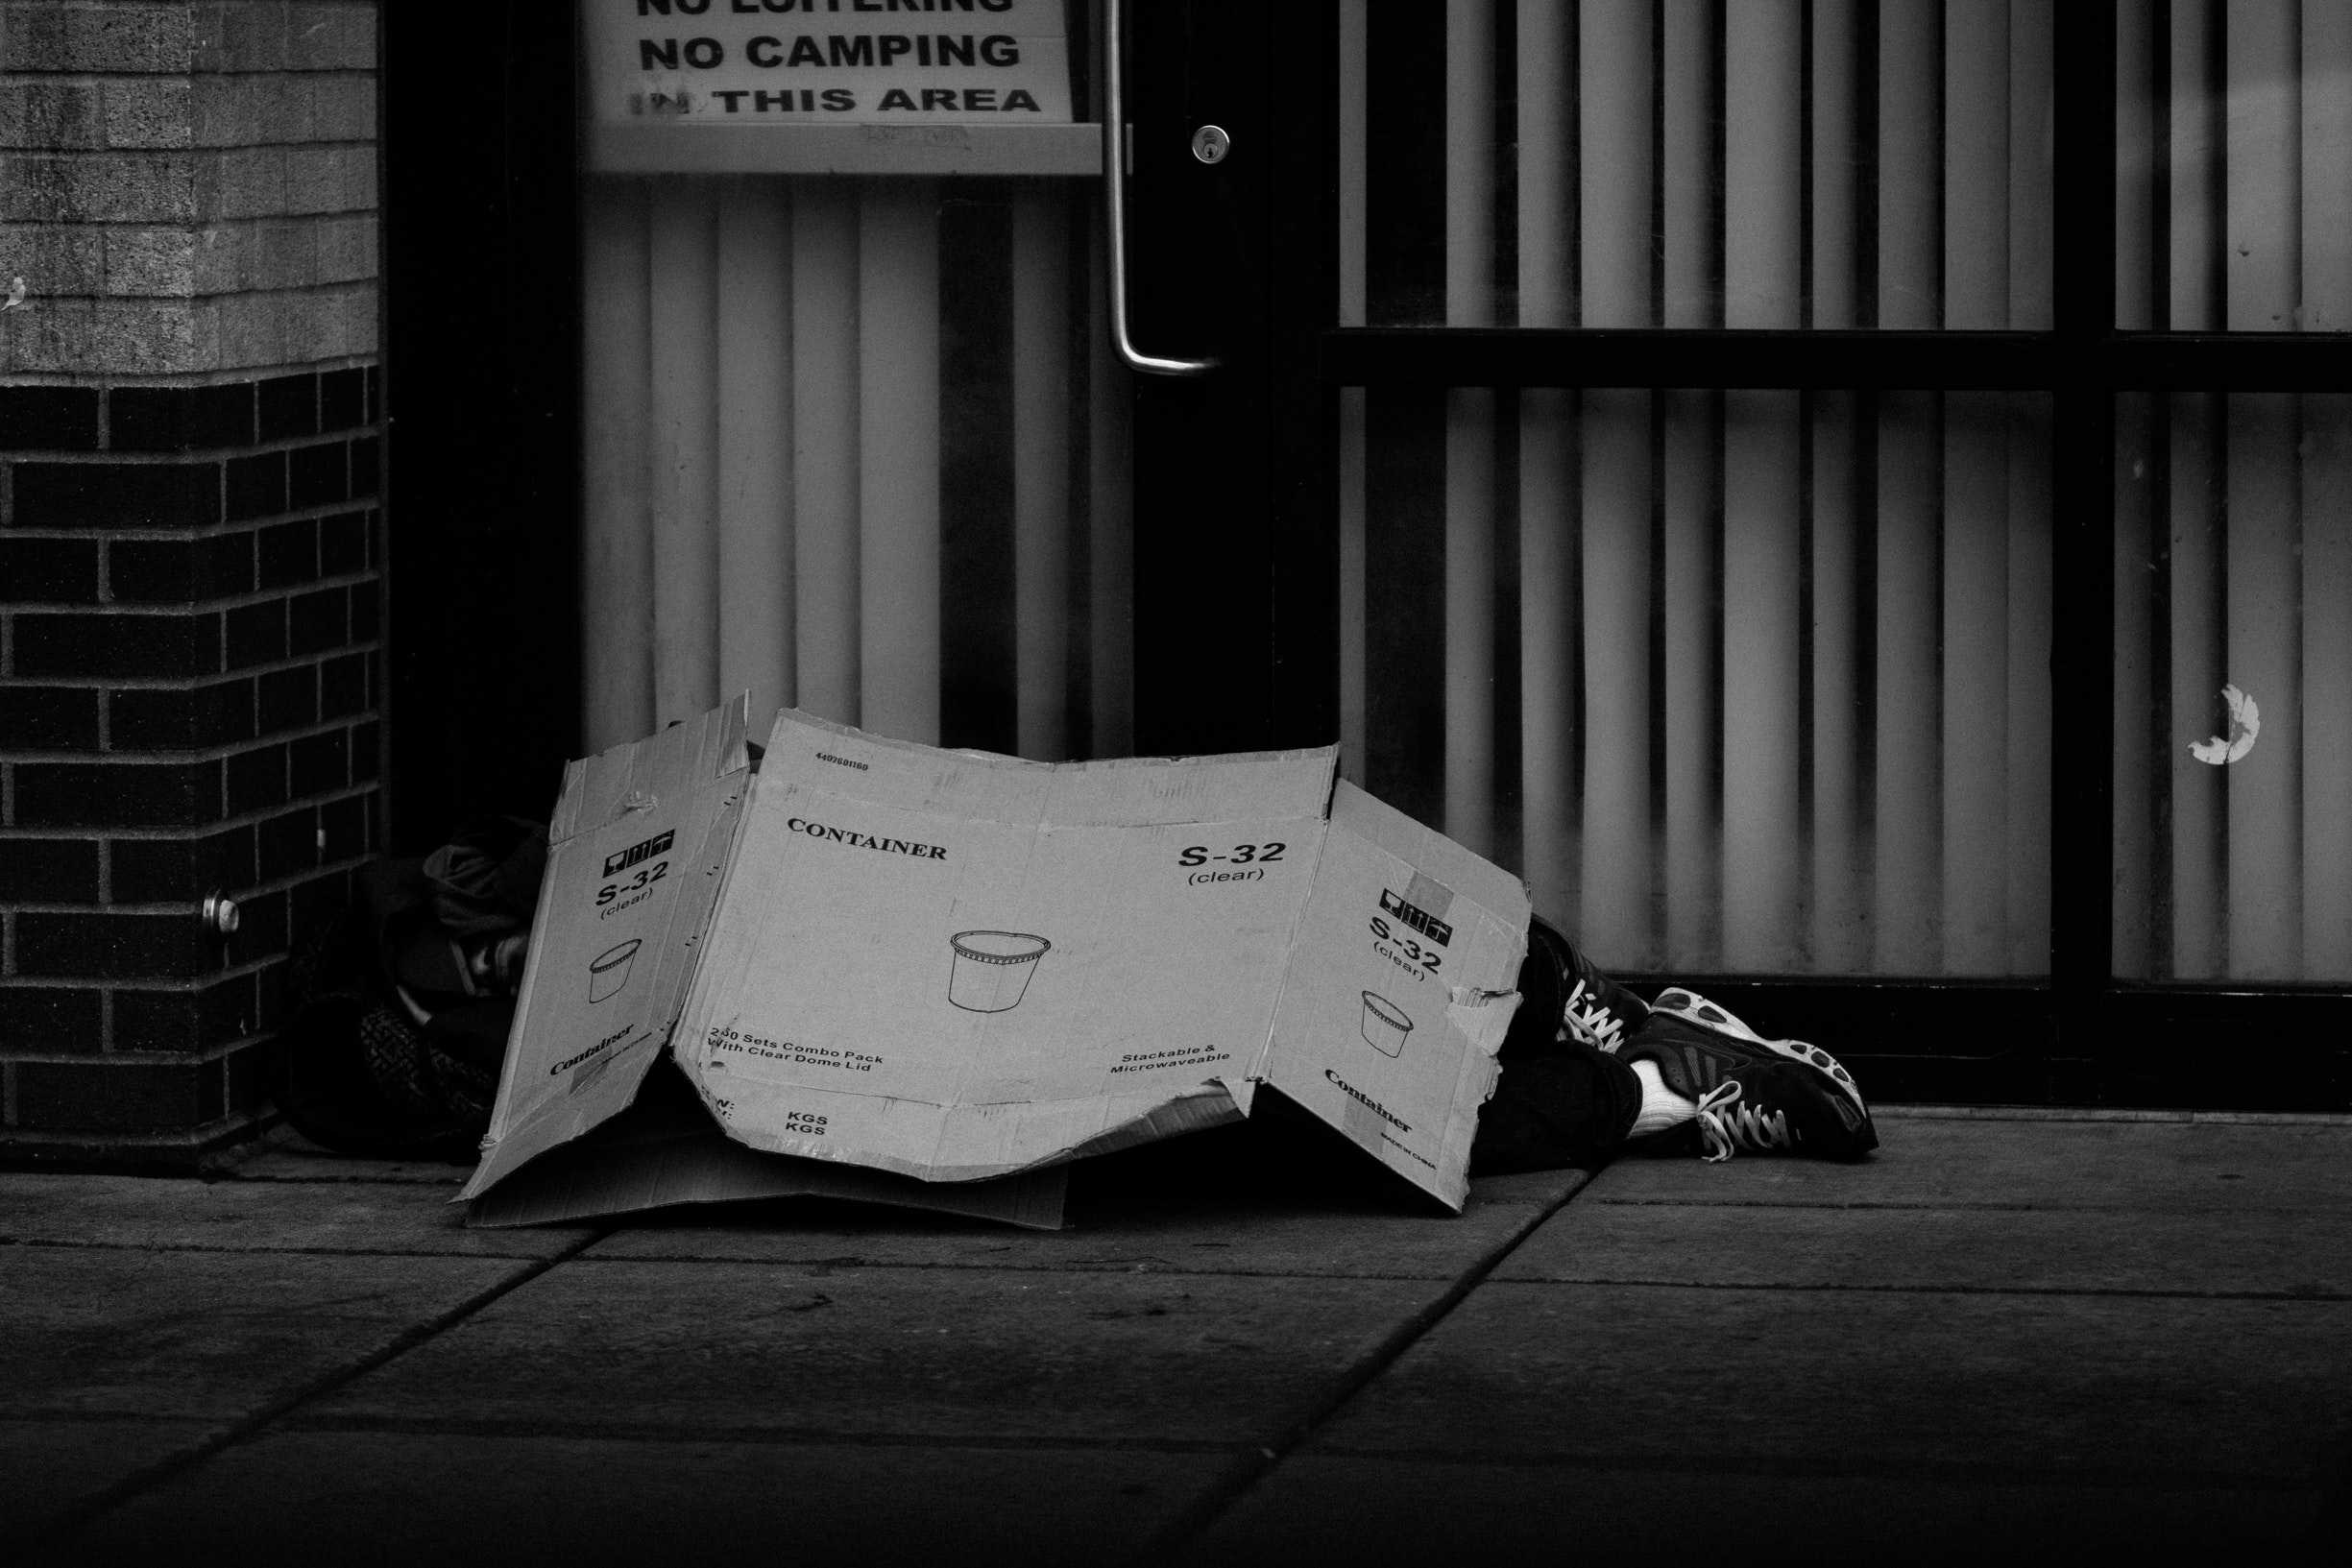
(1573, 1106)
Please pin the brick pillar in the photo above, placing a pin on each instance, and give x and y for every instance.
(190, 548)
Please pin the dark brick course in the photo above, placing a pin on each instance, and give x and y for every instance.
(256, 779)
(180, 419)
(49, 869)
(343, 543)
(180, 870)
(179, 718)
(342, 686)
(118, 794)
(49, 570)
(321, 762)
(186, 647)
(256, 634)
(289, 407)
(343, 826)
(257, 485)
(98, 495)
(343, 399)
(366, 466)
(112, 946)
(289, 554)
(318, 476)
(50, 1018)
(48, 419)
(185, 1021)
(289, 699)
(317, 621)
(181, 571)
(48, 718)
(117, 1095)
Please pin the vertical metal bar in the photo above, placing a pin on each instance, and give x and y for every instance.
(1613, 888)
(898, 468)
(2266, 596)
(1110, 542)
(1469, 616)
(2033, 74)
(1614, 102)
(1763, 566)
(1688, 157)
(2029, 711)
(1469, 163)
(1908, 895)
(2193, 201)
(2200, 793)
(1976, 684)
(1976, 165)
(1041, 420)
(1470, 427)
(2079, 761)
(1693, 694)
(1349, 477)
(1547, 86)
(2327, 687)
(2261, 201)
(1354, 39)
(1764, 177)
(1547, 195)
(2136, 137)
(755, 448)
(1547, 651)
(2139, 506)
(1840, 935)
(1614, 891)
(1910, 230)
(2326, 108)
(1837, 275)
(825, 446)
(616, 524)
(685, 466)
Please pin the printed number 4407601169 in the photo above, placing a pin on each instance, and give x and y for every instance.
(1240, 855)
(645, 876)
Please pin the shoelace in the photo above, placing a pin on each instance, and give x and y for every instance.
(1593, 1023)
(1726, 1126)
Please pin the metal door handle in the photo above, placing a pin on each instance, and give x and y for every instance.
(1114, 185)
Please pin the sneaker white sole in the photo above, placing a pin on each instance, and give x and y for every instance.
(1695, 1008)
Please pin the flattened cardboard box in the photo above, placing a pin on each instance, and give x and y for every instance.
(917, 973)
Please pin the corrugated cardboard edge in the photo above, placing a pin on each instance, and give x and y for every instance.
(507, 1149)
(591, 1180)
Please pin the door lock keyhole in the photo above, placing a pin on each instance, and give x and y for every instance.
(1210, 144)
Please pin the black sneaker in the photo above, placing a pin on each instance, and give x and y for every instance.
(1761, 1095)
(1697, 1009)
(1563, 997)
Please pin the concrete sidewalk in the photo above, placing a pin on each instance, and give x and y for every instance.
(2030, 1336)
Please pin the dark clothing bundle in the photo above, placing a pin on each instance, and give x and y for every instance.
(401, 1011)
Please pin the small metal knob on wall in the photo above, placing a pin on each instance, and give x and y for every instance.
(220, 914)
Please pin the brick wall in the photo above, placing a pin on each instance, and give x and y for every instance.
(190, 548)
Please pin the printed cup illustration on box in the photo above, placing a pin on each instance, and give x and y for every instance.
(1385, 1025)
(991, 969)
(609, 971)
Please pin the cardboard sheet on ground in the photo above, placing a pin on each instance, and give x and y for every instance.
(883, 961)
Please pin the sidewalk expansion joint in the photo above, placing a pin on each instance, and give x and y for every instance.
(1255, 1461)
(2315, 1294)
(73, 1520)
